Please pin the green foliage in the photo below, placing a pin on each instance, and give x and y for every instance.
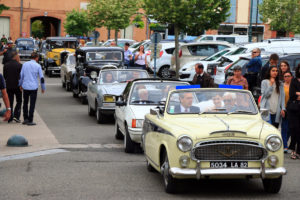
(283, 15)
(37, 29)
(77, 23)
(138, 22)
(3, 7)
(157, 27)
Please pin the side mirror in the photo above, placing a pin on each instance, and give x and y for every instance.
(264, 111)
(120, 103)
(155, 111)
(94, 75)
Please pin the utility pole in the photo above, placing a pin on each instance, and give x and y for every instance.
(21, 17)
(250, 25)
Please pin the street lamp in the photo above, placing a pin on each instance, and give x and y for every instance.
(250, 25)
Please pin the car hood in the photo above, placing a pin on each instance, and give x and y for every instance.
(113, 89)
(101, 64)
(139, 111)
(217, 126)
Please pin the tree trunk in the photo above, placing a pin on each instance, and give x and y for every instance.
(116, 37)
(177, 63)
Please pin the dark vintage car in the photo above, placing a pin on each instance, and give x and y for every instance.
(25, 46)
(56, 49)
(89, 59)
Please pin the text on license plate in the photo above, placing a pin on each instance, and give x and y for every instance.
(229, 164)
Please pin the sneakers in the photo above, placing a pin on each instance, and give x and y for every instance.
(16, 120)
(25, 122)
(31, 124)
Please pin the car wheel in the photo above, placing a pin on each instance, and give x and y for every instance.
(164, 72)
(83, 100)
(118, 133)
(99, 116)
(64, 83)
(272, 185)
(91, 111)
(128, 143)
(50, 73)
(149, 167)
(169, 182)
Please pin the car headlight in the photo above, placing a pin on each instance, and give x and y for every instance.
(109, 98)
(184, 143)
(137, 123)
(273, 143)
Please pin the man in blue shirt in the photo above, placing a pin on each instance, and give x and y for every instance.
(253, 68)
(127, 55)
(30, 72)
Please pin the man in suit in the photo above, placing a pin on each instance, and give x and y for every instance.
(229, 100)
(186, 101)
(202, 78)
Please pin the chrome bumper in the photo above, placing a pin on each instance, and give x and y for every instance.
(226, 172)
(135, 134)
(54, 68)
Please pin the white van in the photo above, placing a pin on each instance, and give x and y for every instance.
(233, 39)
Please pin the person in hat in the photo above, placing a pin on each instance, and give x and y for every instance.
(7, 52)
(237, 78)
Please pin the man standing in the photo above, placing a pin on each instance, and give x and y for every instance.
(11, 72)
(127, 55)
(30, 72)
(273, 61)
(254, 67)
(5, 98)
(7, 52)
(202, 78)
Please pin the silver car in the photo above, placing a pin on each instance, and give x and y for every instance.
(67, 70)
(103, 91)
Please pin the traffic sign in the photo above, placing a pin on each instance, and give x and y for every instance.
(155, 38)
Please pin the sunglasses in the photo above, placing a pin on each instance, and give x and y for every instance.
(254, 52)
(287, 76)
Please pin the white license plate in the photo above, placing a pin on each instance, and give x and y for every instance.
(209, 70)
(229, 164)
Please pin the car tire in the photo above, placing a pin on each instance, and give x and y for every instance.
(50, 74)
(164, 72)
(272, 185)
(169, 182)
(99, 116)
(118, 133)
(129, 145)
(149, 167)
(83, 100)
(91, 111)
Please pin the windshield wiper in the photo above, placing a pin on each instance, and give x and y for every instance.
(216, 109)
(240, 111)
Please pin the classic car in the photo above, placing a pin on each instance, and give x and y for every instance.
(212, 133)
(24, 47)
(57, 49)
(42, 52)
(90, 59)
(67, 70)
(138, 98)
(103, 91)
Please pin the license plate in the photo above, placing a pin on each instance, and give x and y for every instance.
(208, 70)
(229, 164)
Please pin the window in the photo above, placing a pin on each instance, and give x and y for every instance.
(170, 51)
(227, 39)
(297, 62)
(207, 38)
(203, 50)
(232, 12)
(221, 47)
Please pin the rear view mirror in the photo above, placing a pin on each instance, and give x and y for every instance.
(155, 111)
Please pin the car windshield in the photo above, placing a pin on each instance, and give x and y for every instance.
(136, 45)
(217, 55)
(104, 55)
(25, 43)
(240, 50)
(120, 76)
(211, 102)
(62, 44)
(152, 93)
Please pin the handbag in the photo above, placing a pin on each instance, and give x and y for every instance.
(293, 106)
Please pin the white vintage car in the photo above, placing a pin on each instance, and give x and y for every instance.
(136, 101)
(67, 70)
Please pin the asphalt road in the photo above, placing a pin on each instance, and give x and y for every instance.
(106, 172)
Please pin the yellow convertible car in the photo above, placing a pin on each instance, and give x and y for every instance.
(212, 133)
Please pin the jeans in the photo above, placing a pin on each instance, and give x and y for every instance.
(285, 134)
(252, 81)
(11, 94)
(32, 95)
(272, 120)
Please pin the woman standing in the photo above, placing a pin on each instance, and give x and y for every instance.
(283, 67)
(140, 58)
(288, 76)
(273, 97)
(294, 114)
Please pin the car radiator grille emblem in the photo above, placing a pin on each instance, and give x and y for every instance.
(228, 152)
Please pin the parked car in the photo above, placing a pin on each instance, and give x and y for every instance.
(137, 99)
(42, 51)
(102, 93)
(121, 42)
(233, 39)
(196, 51)
(57, 48)
(215, 139)
(134, 47)
(90, 59)
(67, 71)
(25, 47)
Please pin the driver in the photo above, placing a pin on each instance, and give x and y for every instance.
(108, 78)
(186, 101)
(135, 75)
(229, 100)
(143, 96)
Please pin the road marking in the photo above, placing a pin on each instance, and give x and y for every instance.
(32, 154)
(53, 84)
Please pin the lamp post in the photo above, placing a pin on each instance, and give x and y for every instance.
(250, 25)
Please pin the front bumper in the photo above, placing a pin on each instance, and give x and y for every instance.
(107, 108)
(135, 134)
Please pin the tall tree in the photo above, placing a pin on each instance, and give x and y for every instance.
(37, 29)
(188, 15)
(283, 15)
(3, 7)
(77, 23)
(112, 14)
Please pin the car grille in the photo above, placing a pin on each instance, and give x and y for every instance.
(229, 151)
(182, 76)
(25, 51)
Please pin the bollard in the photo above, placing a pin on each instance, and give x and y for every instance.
(17, 141)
